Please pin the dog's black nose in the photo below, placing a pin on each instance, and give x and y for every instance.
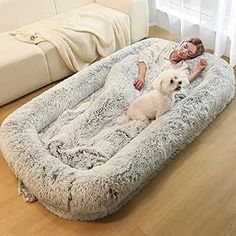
(178, 88)
(171, 81)
(180, 82)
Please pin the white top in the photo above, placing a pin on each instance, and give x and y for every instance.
(159, 53)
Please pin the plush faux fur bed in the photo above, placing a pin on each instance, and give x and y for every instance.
(70, 151)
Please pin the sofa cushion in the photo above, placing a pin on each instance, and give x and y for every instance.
(15, 13)
(63, 6)
(23, 68)
(56, 66)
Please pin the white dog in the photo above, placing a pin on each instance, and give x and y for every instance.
(158, 101)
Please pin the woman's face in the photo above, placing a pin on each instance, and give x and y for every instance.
(186, 50)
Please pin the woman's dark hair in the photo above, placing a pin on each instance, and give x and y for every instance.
(198, 43)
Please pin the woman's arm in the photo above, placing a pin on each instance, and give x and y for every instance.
(141, 75)
(201, 65)
(193, 75)
(146, 57)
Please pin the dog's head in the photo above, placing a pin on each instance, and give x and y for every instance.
(168, 81)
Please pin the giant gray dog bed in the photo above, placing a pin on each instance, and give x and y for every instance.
(69, 150)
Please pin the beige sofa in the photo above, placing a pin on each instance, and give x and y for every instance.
(26, 67)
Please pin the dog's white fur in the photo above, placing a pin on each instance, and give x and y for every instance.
(158, 101)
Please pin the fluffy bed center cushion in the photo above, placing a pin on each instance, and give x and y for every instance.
(91, 133)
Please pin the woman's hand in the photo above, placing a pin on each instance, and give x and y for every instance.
(201, 65)
(139, 82)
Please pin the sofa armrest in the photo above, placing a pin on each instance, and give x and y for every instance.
(138, 13)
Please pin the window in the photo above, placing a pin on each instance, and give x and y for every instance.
(202, 12)
(207, 7)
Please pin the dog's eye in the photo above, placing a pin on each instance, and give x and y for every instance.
(180, 82)
(171, 81)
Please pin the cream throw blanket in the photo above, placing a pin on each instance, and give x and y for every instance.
(81, 38)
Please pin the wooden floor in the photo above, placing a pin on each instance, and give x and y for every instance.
(194, 195)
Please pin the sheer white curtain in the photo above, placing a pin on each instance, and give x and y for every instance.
(214, 21)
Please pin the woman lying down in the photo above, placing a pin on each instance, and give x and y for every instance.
(175, 75)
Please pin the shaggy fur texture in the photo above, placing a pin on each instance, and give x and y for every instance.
(69, 153)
